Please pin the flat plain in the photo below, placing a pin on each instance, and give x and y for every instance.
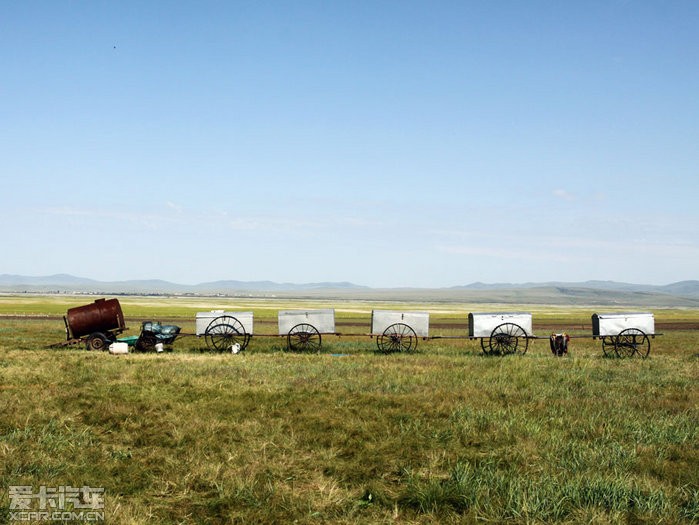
(348, 435)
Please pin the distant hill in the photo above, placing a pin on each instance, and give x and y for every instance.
(269, 286)
(679, 294)
(684, 288)
(60, 279)
(63, 283)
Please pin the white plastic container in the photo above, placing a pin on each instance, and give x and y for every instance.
(119, 348)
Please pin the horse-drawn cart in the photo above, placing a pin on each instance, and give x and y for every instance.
(303, 328)
(626, 334)
(501, 333)
(225, 331)
(399, 331)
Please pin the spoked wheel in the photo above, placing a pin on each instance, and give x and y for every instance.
(505, 339)
(632, 341)
(97, 341)
(303, 338)
(398, 337)
(608, 346)
(226, 334)
(485, 345)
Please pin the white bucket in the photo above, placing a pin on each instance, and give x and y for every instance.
(159, 347)
(235, 348)
(119, 348)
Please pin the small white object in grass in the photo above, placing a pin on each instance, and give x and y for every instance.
(118, 348)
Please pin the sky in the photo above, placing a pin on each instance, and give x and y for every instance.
(387, 143)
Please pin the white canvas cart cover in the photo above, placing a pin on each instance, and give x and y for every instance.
(613, 324)
(483, 324)
(418, 321)
(203, 320)
(321, 320)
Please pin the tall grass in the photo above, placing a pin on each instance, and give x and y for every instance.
(445, 435)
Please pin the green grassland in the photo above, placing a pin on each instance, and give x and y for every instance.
(443, 435)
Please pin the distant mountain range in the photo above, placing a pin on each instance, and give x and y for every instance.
(690, 288)
(64, 283)
(679, 294)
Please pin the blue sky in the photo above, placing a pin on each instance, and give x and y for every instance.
(387, 143)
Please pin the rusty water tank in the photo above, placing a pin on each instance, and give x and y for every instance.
(101, 316)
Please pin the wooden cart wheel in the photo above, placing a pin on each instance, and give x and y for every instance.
(97, 341)
(303, 338)
(632, 341)
(398, 337)
(226, 334)
(505, 339)
(608, 346)
(485, 345)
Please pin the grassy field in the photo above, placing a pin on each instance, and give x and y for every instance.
(444, 435)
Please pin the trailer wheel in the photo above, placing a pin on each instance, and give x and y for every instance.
(398, 337)
(505, 339)
(97, 341)
(224, 333)
(632, 341)
(303, 338)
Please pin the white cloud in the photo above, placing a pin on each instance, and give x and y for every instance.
(175, 207)
(563, 194)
